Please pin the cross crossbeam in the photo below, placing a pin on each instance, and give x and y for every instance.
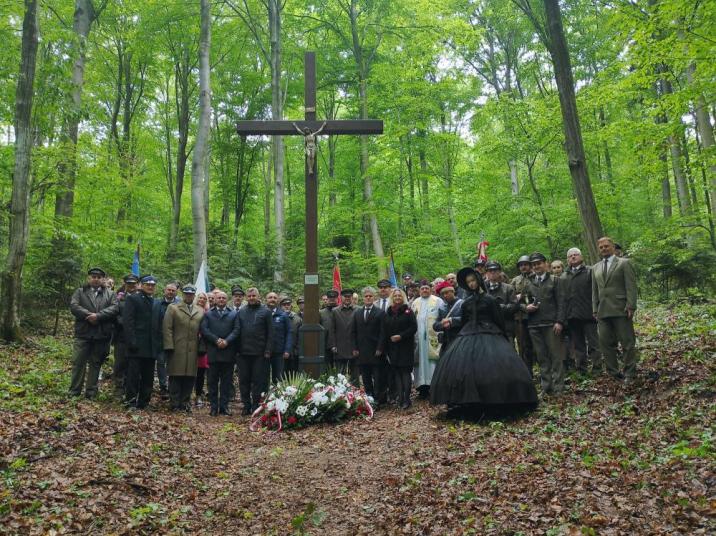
(310, 128)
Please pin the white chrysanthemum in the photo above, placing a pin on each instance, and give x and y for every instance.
(319, 398)
(314, 411)
(301, 410)
(281, 405)
(291, 390)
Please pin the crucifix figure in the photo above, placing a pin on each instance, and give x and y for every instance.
(311, 335)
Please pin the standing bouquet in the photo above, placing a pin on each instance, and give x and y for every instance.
(299, 401)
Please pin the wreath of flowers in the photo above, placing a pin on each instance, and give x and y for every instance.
(299, 401)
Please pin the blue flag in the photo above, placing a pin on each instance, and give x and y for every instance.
(391, 272)
(135, 262)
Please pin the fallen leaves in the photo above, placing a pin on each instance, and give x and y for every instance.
(600, 460)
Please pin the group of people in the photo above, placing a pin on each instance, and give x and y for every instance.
(469, 340)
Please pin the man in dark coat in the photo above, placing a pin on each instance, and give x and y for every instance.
(119, 371)
(326, 314)
(141, 344)
(220, 329)
(449, 320)
(340, 335)
(580, 321)
(256, 324)
(544, 297)
(367, 338)
(281, 337)
(94, 308)
(504, 295)
(160, 309)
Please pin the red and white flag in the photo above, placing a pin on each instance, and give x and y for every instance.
(482, 250)
(337, 281)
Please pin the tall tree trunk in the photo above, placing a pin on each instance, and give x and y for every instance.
(84, 16)
(573, 133)
(199, 179)
(512, 163)
(540, 205)
(363, 70)
(21, 188)
(425, 197)
(274, 14)
(682, 190)
(706, 133)
(182, 91)
(267, 172)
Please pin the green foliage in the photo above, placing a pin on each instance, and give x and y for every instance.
(465, 91)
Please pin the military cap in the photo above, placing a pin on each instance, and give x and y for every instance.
(96, 271)
(286, 301)
(523, 259)
(406, 275)
(347, 292)
(493, 265)
(300, 300)
(148, 280)
(537, 257)
(189, 289)
(130, 278)
(236, 290)
(384, 283)
(331, 293)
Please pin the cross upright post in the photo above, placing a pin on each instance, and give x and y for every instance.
(311, 336)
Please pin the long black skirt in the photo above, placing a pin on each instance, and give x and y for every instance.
(483, 370)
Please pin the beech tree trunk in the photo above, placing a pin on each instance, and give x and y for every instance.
(363, 69)
(706, 133)
(84, 16)
(274, 14)
(574, 145)
(21, 188)
(199, 178)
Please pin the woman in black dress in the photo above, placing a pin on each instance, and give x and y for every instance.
(481, 371)
(399, 327)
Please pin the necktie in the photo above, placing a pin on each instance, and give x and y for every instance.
(606, 267)
(383, 304)
(366, 312)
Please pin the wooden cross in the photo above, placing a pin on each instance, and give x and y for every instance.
(311, 347)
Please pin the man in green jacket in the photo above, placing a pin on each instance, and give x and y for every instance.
(94, 308)
(614, 293)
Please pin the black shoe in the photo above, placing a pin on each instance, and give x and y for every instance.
(214, 412)
(226, 412)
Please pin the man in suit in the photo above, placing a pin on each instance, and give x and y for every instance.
(94, 308)
(160, 309)
(141, 344)
(367, 338)
(581, 322)
(614, 293)
(220, 329)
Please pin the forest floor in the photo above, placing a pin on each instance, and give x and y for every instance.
(603, 459)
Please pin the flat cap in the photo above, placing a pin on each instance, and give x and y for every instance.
(96, 271)
(236, 290)
(347, 292)
(331, 293)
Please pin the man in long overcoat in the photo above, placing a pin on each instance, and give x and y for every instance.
(340, 335)
(220, 328)
(121, 363)
(181, 347)
(141, 344)
(94, 308)
(614, 294)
